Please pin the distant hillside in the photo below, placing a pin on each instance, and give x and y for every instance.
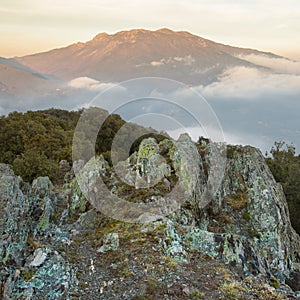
(16, 78)
(135, 53)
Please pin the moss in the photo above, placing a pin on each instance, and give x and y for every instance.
(196, 295)
(73, 256)
(44, 222)
(83, 285)
(5, 259)
(246, 216)
(274, 282)
(231, 291)
(170, 262)
(230, 150)
(27, 273)
(32, 243)
(253, 233)
(153, 286)
(140, 297)
(239, 200)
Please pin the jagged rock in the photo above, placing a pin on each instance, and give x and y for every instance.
(64, 169)
(14, 214)
(188, 166)
(42, 186)
(144, 168)
(46, 236)
(247, 223)
(43, 207)
(110, 242)
(151, 167)
(24, 217)
(294, 280)
(85, 181)
(39, 257)
(50, 278)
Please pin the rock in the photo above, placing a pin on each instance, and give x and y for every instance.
(110, 243)
(64, 171)
(150, 167)
(53, 279)
(43, 207)
(83, 185)
(247, 222)
(14, 218)
(42, 186)
(48, 235)
(145, 168)
(39, 257)
(5, 170)
(294, 280)
(188, 166)
(26, 221)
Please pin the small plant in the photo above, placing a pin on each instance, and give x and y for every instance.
(246, 216)
(274, 282)
(27, 273)
(196, 295)
(170, 262)
(140, 297)
(232, 291)
(239, 200)
(253, 233)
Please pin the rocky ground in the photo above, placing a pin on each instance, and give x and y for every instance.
(236, 244)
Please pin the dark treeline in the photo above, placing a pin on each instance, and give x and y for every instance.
(36, 141)
(285, 166)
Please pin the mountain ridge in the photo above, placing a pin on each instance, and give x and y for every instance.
(16, 78)
(137, 53)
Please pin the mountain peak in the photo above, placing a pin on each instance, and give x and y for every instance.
(165, 30)
(135, 32)
(100, 36)
(179, 55)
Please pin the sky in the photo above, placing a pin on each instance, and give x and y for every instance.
(31, 26)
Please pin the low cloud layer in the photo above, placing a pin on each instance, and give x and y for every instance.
(254, 106)
(89, 84)
(280, 65)
(251, 83)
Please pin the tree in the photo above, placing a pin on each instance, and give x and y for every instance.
(285, 166)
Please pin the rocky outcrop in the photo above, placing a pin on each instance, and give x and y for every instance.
(57, 243)
(245, 223)
(31, 266)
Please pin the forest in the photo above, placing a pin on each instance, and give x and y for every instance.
(34, 143)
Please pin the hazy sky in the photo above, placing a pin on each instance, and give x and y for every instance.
(29, 26)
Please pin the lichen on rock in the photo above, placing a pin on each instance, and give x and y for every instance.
(56, 244)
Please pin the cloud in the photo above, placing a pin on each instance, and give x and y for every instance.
(250, 83)
(88, 83)
(254, 106)
(280, 65)
(157, 63)
(187, 60)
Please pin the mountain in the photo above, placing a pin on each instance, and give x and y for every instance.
(16, 78)
(239, 83)
(136, 53)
